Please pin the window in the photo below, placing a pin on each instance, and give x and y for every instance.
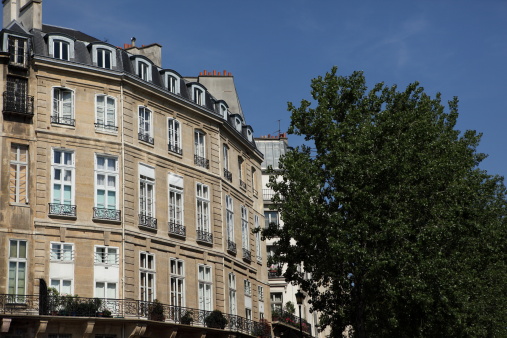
(276, 301)
(205, 285)
(63, 286)
(174, 136)
(18, 179)
(147, 276)
(61, 50)
(200, 149)
(106, 255)
(176, 205)
(260, 292)
(63, 107)
(232, 294)
(203, 223)
(173, 83)
(63, 183)
(198, 96)
(237, 121)
(244, 227)
(17, 267)
(104, 57)
(147, 197)
(106, 290)
(229, 221)
(224, 111)
(143, 70)
(106, 186)
(177, 282)
(17, 50)
(145, 125)
(271, 218)
(254, 182)
(227, 173)
(105, 113)
(16, 99)
(63, 252)
(248, 288)
(257, 239)
(242, 183)
(248, 313)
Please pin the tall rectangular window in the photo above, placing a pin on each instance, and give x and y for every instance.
(232, 294)
(143, 70)
(147, 276)
(17, 50)
(146, 196)
(257, 239)
(17, 267)
(145, 125)
(276, 301)
(16, 99)
(63, 107)
(241, 172)
(61, 50)
(106, 186)
(177, 282)
(176, 204)
(203, 223)
(105, 114)
(200, 144)
(260, 292)
(63, 252)
(244, 228)
(248, 288)
(63, 168)
(104, 58)
(204, 286)
(18, 179)
(226, 157)
(198, 96)
(172, 84)
(229, 218)
(174, 136)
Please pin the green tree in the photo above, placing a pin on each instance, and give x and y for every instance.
(403, 234)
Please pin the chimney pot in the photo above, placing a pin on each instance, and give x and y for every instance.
(214, 73)
(133, 40)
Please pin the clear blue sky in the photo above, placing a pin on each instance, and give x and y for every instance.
(274, 49)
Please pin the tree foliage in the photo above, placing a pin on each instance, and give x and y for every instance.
(402, 232)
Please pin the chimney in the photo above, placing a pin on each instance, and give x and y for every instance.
(133, 41)
(30, 13)
(10, 11)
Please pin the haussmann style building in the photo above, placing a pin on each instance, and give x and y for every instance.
(128, 192)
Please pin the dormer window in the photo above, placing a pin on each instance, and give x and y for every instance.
(61, 47)
(17, 50)
(103, 55)
(142, 71)
(104, 58)
(198, 95)
(224, 111)
(237, 122)
(249, 135)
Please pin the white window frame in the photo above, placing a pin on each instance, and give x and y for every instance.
(105, 296)
(238, 123)
(16, 261)
(244, 228)
(205, 287)
(60, 286)
(63, 168)
(198, 95)
(202, 208)
(276, 304)
(241, 169)
(172, 82)
(57, 39)
(233, 308)
(229, 217)
(174, 135)
(257, 239)
(16, 179)
(106, 255)
(147, 190)
(143, 69)
(260, 293)
(145, 120)
(176, 199)
(98, 48)
(248, 287)
(108, 174)
(148, 272)
(200, 143)
(224, 111)
(107, 124)
(177, 281)
(61, 252)
(59, 104)
(18, 51)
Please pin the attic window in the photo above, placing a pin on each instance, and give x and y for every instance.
(249, 134)
(223, 111)
(238, 123)
(103, 56)
(17, 50)
(198, 96)
(61, 47)
(172, 83)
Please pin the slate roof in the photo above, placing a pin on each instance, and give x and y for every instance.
(71, 32)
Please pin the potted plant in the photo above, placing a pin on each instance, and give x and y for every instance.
(216, 320)
(187, 318)
(156, 311)
(106, 313)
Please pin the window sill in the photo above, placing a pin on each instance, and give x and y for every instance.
(105, 131)
(109, 221)
(21, 205)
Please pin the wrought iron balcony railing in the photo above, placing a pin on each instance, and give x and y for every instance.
(204, 236)
(227, 175)
(18, 105)
(67, 306)
(201, 161)
(107, 214)
(291, 320)
(231, 247)
(242, 184)
(267, 194)
(174, 149)
(57, 209)
(56, 119)
(177, 229)
(147, 221)
(142, 136)
(247, 255)
(106, 127)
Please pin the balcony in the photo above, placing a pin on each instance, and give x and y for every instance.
(65, 210)
(231, 247)
(247, 255)
(267, 194)
(174, 149)
(177, 229)
(106, 127)
(145, 137)
(204, 236)
(227, 175)
(121, 312)
(289, 321)
(201, 161)
(242, 184)
(18, 105)
(107, 214)
(147, 221)
(67, 121)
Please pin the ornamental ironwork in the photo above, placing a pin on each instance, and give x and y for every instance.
(231, 247)
(56, 119)
(201, 161)
(204, 236)
(107, 214)
(177, 229)
(57, 209)
(227, 175)
(147, 221)
(142, 136)
(174, 149)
